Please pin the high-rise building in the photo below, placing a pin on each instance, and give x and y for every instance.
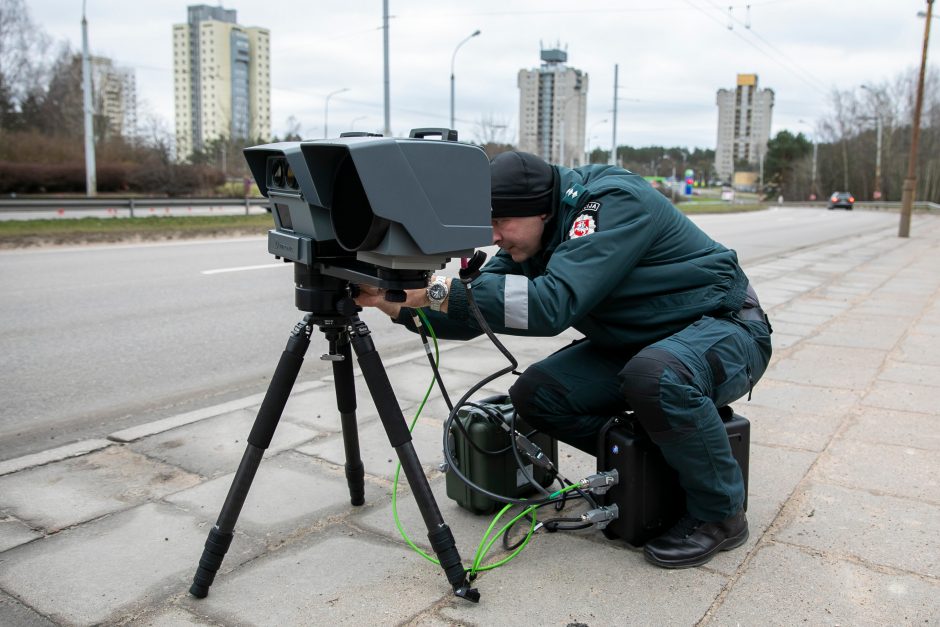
(553, 110)
(222, 79)
(115, 96)
(744, 117)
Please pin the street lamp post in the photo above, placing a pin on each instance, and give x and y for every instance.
(91, 181)
(352, 125)
(910, 183)
(453, 58)
(326, 110)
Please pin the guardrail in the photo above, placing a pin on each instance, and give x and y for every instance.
(127, 204)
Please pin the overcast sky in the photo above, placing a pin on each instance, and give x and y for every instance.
(673, 56)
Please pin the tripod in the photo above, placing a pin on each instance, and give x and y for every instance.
(332, 309)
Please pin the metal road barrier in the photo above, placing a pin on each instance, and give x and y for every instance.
(131, 207)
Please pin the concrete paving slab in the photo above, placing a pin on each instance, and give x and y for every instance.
(894, 470)
(316, 408)
(906, 372)
(806, 399)
(378, 456)
(900, 396)
(564, 579)
(792, 328)
(12, 612)
(410, 381)
(868, 332)
(215, 446)
(782, 340)
(773, 475)
(78, 489)
(819, 306)
(784, 585)
(795, 317)
(75, 449)
(885, 426)
(901, 309)
(105, 569)
(881, 530)
(790, 428)
(377, 584)
(15, 532)
(919, 349)
(289, 492)
(849, 367)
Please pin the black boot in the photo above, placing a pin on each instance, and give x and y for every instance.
(693, 542)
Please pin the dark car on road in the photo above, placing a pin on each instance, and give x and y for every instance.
(841, 200)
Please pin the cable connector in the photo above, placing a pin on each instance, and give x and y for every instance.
(533, 452)
(601, 516)
(601, 482)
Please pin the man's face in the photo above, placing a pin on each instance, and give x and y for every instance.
(520, 237)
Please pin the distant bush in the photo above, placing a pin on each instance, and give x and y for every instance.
(162, 179)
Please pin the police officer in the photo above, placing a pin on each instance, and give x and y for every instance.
(671, 327)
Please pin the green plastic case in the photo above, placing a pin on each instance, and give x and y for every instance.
(497, 473)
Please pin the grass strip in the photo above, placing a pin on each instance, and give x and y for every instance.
(23, 233)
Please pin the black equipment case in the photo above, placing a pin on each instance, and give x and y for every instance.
(648, 494)
(498, 473)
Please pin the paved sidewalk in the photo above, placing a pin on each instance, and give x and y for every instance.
(844, 502)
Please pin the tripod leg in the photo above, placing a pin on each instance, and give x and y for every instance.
(344, 383)
(220, 536)
(442, 540)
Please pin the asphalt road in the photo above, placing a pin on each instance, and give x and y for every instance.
(99, 338)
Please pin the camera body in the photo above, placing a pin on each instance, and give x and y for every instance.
(376, 210)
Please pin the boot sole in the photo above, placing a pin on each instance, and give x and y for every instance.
(725, 545)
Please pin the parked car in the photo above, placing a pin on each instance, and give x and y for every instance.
(841, 200)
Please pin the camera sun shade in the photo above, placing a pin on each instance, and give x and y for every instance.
(372, 208)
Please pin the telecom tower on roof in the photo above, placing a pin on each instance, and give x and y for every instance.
(553, 109)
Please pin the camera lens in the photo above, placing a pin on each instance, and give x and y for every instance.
(278, 174)
(290, 179)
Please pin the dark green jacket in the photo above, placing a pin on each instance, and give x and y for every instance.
(619, 263)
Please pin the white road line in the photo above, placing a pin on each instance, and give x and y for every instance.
(241, 268)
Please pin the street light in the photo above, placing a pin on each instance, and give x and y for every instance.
(812, 191)
(326, 109)
(91, 181)
(453, 58)
(876, 195)
(907, 195)
(352, 125)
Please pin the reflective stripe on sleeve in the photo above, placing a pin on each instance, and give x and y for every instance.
(516, 301)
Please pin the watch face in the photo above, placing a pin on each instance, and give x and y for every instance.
(436, 291)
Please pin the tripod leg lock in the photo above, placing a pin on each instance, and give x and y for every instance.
(444, 545)
(217, 545)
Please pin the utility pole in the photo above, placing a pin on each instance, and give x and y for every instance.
(91, 182)
(388, 118)
(910, 183)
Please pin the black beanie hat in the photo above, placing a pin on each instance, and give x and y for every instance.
(522, 185)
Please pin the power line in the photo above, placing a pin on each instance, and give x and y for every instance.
(819, 84)
(812, 85)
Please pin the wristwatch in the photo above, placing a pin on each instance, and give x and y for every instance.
(437, 292)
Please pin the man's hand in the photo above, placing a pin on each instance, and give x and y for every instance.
(370, 296)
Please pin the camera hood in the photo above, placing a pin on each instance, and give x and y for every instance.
(395, 203)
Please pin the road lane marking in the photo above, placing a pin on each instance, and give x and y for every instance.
(243, 268)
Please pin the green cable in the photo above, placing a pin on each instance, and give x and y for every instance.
(481, 551)
(427, 394)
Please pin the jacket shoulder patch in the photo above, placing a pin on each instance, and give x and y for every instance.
(584, 224)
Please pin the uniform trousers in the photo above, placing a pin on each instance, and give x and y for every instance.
(674, 388)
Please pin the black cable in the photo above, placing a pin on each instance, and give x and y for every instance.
(434, 368)
(515, 451)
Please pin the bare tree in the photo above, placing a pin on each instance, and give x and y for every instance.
(23, 47)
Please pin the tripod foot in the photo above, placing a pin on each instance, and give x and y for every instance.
(468, 593)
